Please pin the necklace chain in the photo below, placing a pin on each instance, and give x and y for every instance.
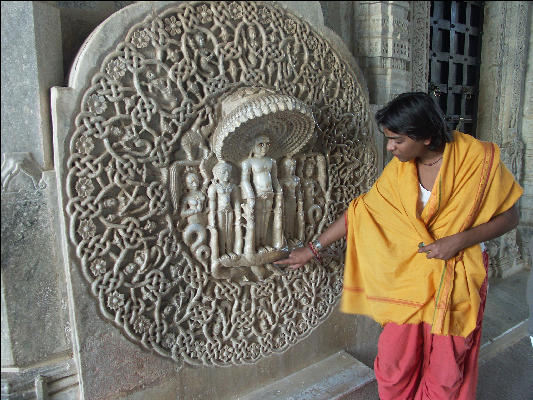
(433, 163)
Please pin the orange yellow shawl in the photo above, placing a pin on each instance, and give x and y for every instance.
(386, 278)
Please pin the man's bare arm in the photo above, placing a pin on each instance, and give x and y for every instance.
(302, 255)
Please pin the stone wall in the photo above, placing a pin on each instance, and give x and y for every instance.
(526, 204)
(36, 329)
(503, 90)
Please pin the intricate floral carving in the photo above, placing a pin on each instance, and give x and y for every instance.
(420, 16)
(498, 115)
(147, 207)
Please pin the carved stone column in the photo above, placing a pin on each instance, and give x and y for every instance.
(391, 42)
(36, 347)
(503, 65)
(526, 203)
(419, 41)
(382, 47)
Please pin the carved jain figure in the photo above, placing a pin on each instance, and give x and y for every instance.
(312, 184)
(177, 112)
(259, 193)
(224, 210)
(205, 57)
(275, 127)
(293, 217)
(192, 205)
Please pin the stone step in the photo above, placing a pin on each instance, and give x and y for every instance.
(338, 377)
(507, 339)
(507, 374)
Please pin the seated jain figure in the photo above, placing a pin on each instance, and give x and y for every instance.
(260, 189)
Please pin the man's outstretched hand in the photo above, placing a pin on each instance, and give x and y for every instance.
(297, 258)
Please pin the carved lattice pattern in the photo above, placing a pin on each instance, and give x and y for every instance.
(154, 103)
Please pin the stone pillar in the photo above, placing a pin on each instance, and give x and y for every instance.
(36, 345)
(382, 47)
(419, 18)
(526, 203)
(339, 16)
(31, 64)
(390, 40)
(502, 79)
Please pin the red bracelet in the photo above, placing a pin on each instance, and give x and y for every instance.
(315, 252)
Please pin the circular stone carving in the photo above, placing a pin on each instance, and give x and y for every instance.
(142, 148)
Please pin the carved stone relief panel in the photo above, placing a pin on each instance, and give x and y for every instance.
(502, 77)
(216, 136)
(419, 41)
(14, 164)
(32, 285)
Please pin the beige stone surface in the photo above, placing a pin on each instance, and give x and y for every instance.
(177, 317)
(332, 378)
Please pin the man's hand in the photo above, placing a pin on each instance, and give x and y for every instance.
(449, 246)
(297, 257)
(443, 249)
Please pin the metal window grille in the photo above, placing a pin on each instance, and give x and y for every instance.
(455, 57)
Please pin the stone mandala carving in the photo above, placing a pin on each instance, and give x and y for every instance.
(214, 137)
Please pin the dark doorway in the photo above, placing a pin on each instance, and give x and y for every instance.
(454, 60)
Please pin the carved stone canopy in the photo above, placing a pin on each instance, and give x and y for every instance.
(248, 113)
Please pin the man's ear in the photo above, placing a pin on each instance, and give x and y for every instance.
(427, 142)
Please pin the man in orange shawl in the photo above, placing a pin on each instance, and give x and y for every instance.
(413, 259)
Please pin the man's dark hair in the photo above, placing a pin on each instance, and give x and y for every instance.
(416, 115)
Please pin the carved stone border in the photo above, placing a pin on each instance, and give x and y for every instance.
(419, 41)
(502, 77)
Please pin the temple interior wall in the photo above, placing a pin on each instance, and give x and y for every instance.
(40, 41)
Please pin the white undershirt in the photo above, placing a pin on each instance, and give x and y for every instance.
(424, 195)
(424, 198)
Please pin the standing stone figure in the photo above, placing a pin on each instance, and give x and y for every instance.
(293, 217)
(313, 197)
(224, 210)
(260, 190)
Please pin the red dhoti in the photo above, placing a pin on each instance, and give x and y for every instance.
(413, 364)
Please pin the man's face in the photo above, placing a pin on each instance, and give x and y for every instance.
(403, 147)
